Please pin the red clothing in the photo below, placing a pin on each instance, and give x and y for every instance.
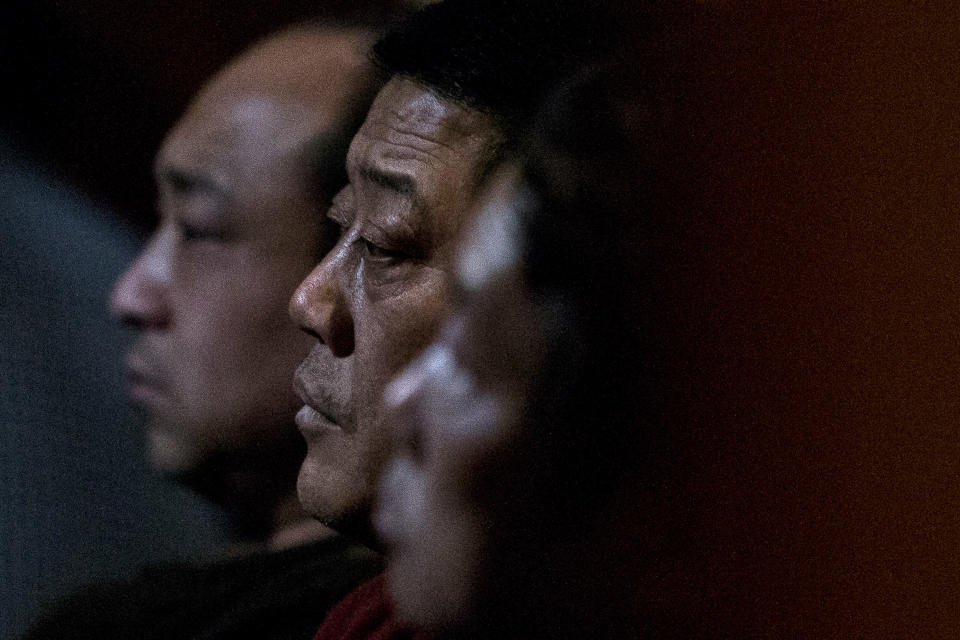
(366, 614)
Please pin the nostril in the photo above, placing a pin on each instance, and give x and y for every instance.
(340, 331)
(132, 322)
(341, 346)
(312, 333)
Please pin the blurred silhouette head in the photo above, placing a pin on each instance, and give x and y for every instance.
(431, 136)
(243, 180)
(456, 409)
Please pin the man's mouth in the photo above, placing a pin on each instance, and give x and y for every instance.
(310, 421)
(143, 387)
(314, 415)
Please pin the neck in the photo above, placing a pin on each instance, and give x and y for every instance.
(293, 527)
(257, 490)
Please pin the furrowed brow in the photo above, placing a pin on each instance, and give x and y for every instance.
(398, 182)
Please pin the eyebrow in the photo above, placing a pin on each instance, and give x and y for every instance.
(412, 215)
(401, 183)
(187, 181)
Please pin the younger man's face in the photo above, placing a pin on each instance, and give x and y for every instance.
(240, 225)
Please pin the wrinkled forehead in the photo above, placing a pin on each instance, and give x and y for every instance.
(412, 131)
(412, 108)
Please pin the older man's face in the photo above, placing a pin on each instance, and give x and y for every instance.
(378, 297)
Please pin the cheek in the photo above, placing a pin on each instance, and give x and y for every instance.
(391, 331)
(233, 329)
(223, 323)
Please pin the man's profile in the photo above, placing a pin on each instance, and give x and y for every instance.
(241, 200)
(462, 75)
(243, 180)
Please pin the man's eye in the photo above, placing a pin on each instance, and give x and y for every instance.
(193, 233)
(378, 253)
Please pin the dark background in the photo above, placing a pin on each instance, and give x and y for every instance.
(93, 85)
(90, 87)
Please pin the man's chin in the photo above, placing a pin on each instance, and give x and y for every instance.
(311, 482)
(337, 504)
(172, 456)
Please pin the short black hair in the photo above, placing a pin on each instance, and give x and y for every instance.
(501, 57)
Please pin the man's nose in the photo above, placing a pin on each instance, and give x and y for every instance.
(320, 305)
(140, 296)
